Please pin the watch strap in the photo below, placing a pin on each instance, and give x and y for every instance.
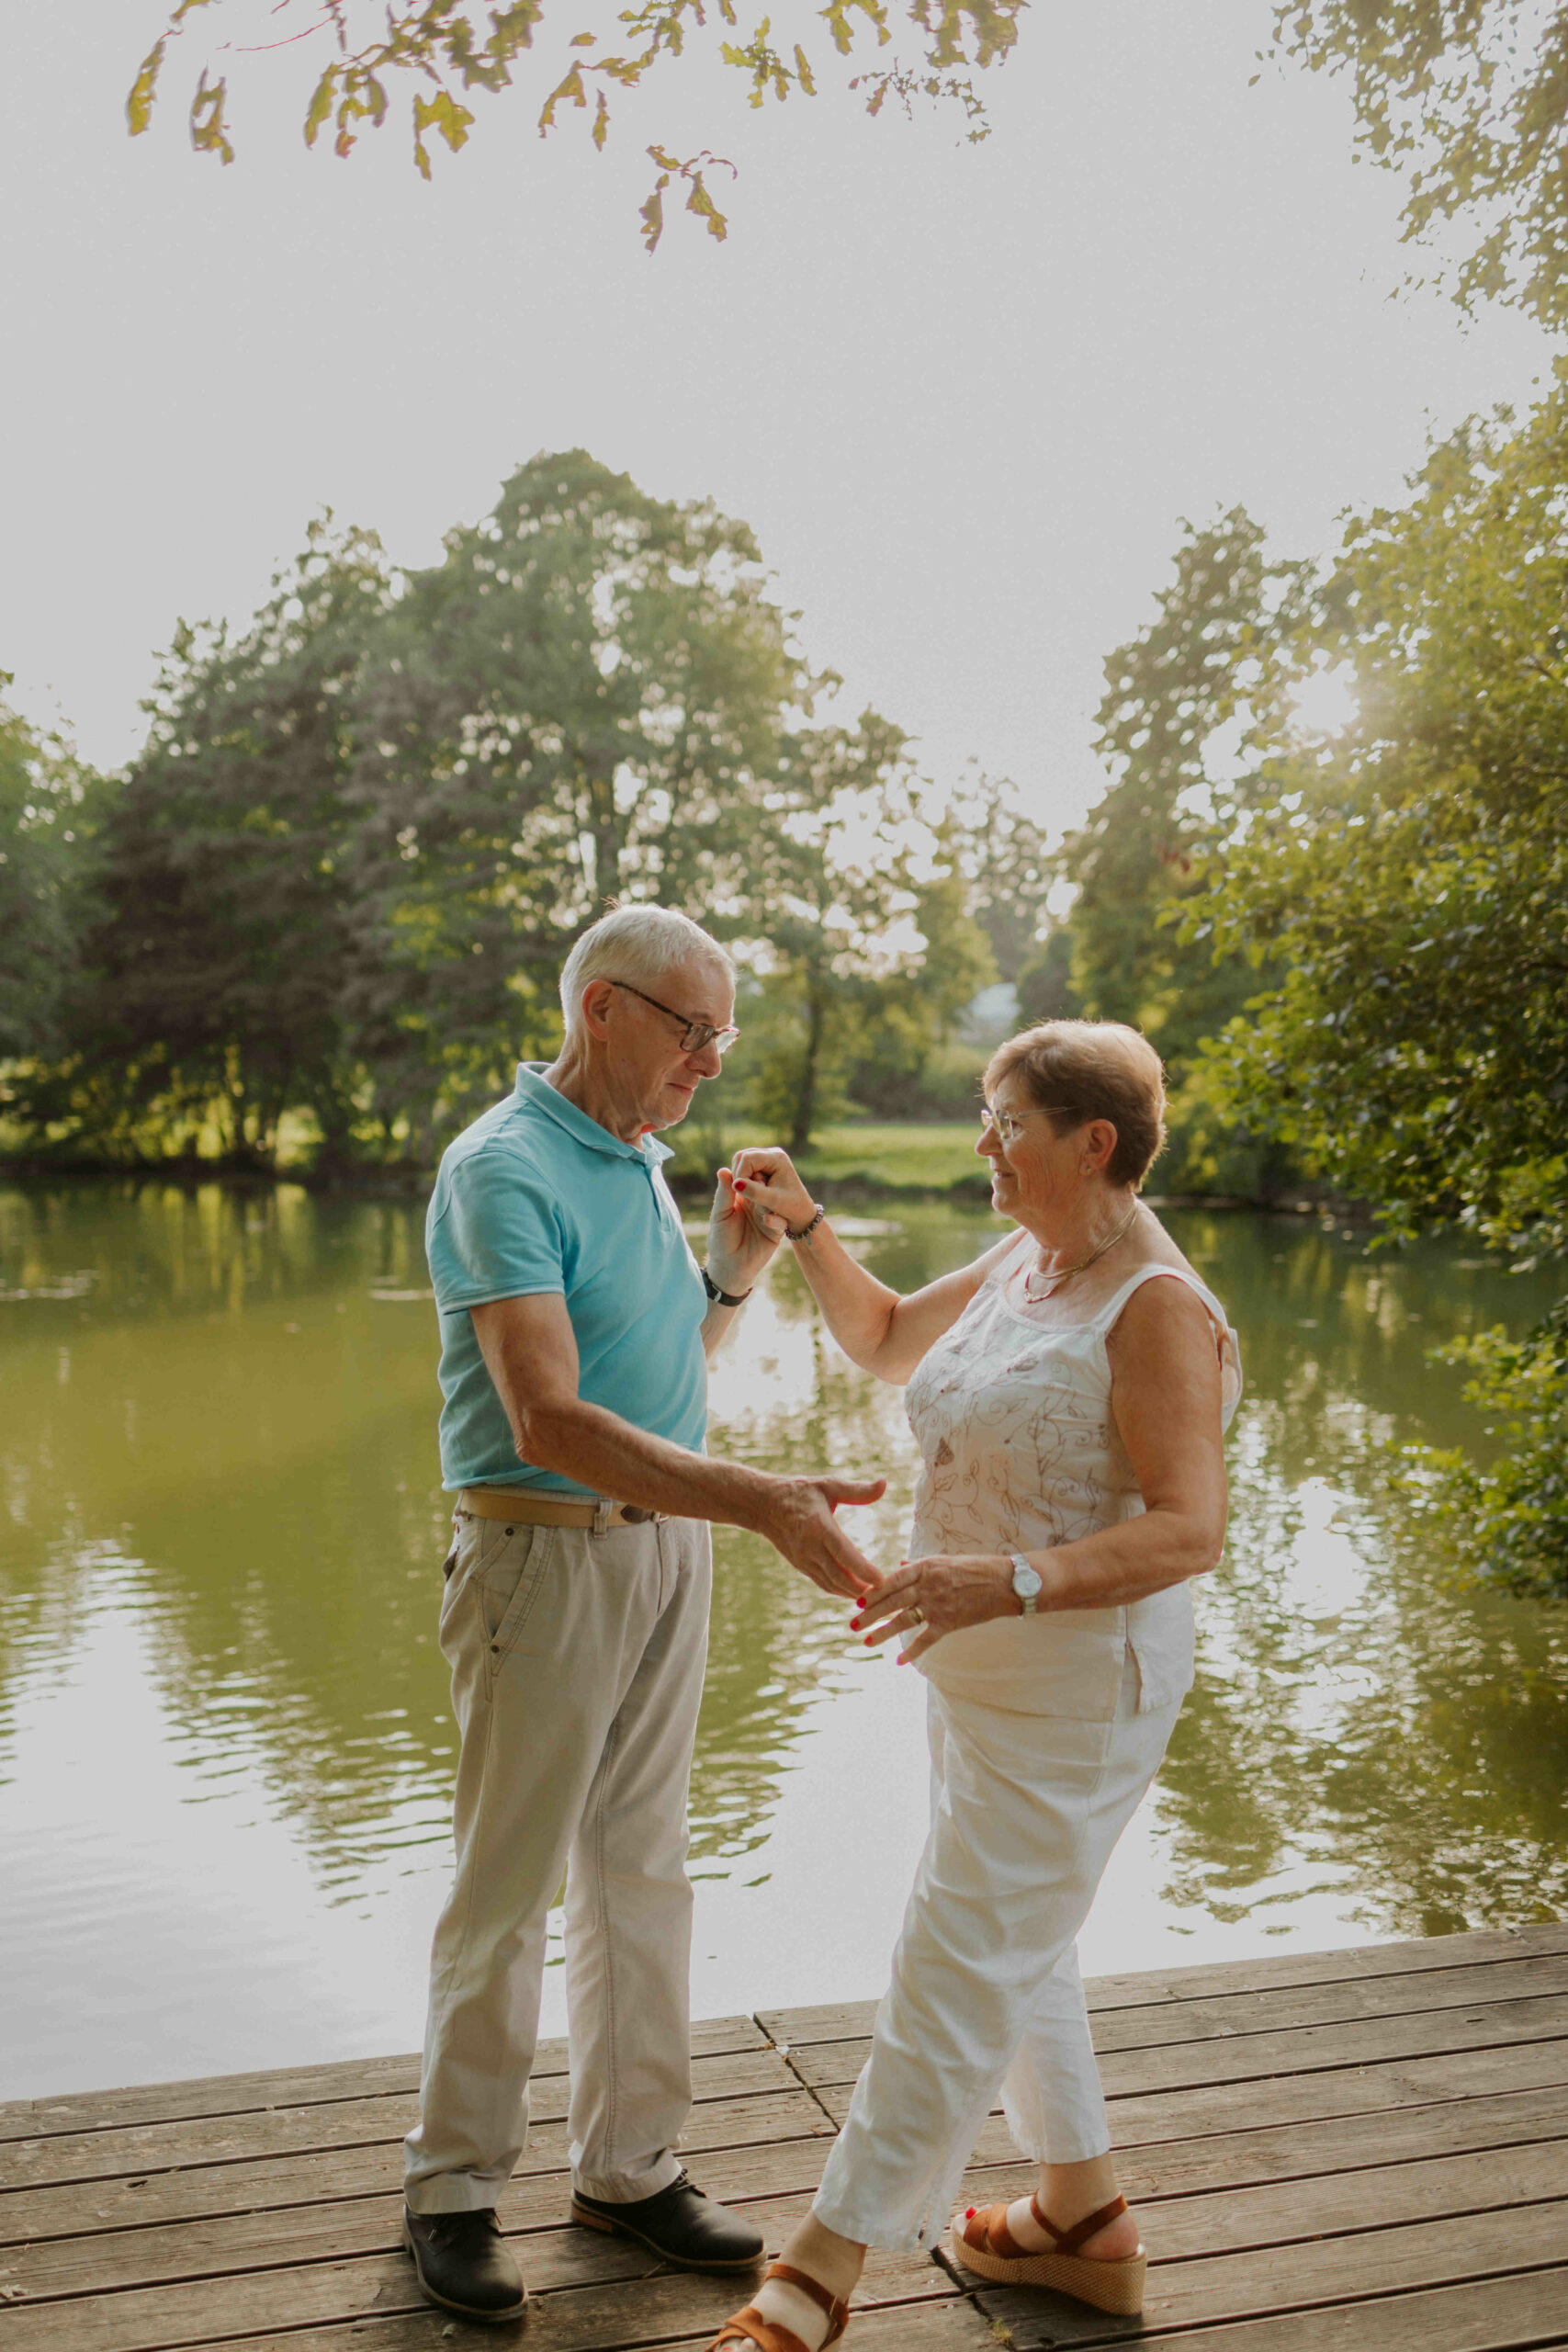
(722, 1297)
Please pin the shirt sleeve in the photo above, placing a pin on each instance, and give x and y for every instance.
(500, 1234)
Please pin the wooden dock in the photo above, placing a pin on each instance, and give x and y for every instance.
(1329, 2151)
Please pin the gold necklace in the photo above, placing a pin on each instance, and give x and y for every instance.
(1055, 1281)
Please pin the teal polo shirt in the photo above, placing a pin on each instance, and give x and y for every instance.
(534, 1198)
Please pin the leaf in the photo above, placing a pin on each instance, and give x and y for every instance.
(652, 213)
(700, 202)
(321, 105)
(207, 134)
(803, 71)
(582, 41)
(570, 87)
(139, 103)
(600, 122)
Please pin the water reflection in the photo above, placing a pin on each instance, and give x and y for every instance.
(217, 1432)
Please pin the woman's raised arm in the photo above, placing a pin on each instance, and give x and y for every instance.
(875, 1327)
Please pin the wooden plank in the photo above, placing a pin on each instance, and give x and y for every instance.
(1259, 2284)
(946, 2323)
(777, 2187)
(1298, 2098)
(722, 2137)
(1291, 2007)
(1245, 2057)
(217, 2139)
(663, 2303)
(1180, 2229)
(1298, 2008)
(842, 2020)
(293, 2087)
(1343, 2145)
(1488, 2315)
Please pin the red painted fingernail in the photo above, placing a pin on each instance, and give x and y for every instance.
(969, 2216)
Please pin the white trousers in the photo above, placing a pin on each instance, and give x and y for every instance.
(577, 1671)
(985, 1994)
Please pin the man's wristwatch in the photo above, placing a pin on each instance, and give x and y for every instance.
(1027, 1582)
(721, 1297)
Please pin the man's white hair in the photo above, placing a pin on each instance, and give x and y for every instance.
(638, 944)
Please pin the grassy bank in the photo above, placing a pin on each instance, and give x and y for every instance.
(873, 1158)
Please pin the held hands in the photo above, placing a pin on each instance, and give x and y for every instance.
(799, 1523)
(759, 1198)
(948, 1594)
(740, 1243)
(769, 1190)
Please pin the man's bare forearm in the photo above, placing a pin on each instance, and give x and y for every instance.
(599, 1450)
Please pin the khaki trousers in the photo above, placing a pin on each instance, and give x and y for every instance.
(577, 1670)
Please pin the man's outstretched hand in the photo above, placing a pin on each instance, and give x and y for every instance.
(799, 1522)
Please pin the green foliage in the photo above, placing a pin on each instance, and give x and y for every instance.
(337, 888)
(214, 963)
(1410, 877)
(49, 806)
(582, 700)
(1186, 700)
(870, 950)
(1468, 99)
(1504, 1520)
(1405, 885)
(452, 46)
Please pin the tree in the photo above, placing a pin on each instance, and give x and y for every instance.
(214, 968)
(49, 803)
(865, 939)
(1405, 885)
(452, 48)
(584, 700)
(1184, 700)
(1469, 99)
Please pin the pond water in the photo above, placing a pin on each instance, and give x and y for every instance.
(225, 1745)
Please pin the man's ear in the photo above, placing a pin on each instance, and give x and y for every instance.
(595, 1003)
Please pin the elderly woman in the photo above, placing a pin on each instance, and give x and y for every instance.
(1068, 1391)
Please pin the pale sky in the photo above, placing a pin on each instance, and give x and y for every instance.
(963, 394)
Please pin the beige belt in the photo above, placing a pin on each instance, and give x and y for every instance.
(552, 1510)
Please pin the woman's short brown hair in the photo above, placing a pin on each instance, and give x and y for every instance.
(1080, 1070)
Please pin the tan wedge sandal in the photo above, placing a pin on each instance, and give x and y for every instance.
(983, 2242)
(767, 2333)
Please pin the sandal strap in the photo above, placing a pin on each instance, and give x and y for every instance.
(1069, 2241)
(766, 2334)
(837, 2312)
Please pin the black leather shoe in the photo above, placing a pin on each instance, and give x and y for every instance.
(463, 2264)
(679, 2222)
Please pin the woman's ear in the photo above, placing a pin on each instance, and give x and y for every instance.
(1100, 1141)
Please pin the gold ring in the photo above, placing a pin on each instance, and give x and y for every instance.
(916, 1614)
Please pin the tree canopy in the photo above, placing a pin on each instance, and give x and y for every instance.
(338, 885)
(1402, 883)
(1468, 100)
(447, 49)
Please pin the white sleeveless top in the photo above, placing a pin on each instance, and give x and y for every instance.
(1019, 1451)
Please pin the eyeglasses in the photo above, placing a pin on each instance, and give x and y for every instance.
(1009, 1124)
(696, 1036)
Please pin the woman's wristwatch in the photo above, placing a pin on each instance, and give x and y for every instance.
(1027, 1582)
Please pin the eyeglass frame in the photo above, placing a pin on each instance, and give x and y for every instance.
(704, 1032)
(1009, 1124)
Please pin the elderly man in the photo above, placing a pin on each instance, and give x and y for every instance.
(575, 1326)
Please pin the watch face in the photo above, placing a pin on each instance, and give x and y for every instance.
(1025, 1579)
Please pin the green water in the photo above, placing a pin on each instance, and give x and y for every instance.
(225, 1748)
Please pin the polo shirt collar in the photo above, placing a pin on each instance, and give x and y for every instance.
(533, 1087)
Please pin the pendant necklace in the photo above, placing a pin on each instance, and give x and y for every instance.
(1054, 1282)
